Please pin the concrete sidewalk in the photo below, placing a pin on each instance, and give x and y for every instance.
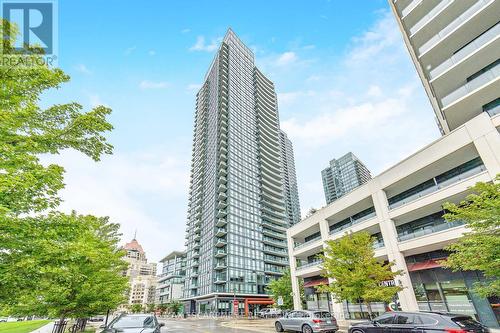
(45, 329)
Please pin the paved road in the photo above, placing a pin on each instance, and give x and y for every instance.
(199, 326)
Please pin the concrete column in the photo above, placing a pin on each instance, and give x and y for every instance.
(390, 236)
(324, 228)
(297, 304)
(487, 142)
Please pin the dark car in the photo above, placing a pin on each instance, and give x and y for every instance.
(134, 323)
(419, 322)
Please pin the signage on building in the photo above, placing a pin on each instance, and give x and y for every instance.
(388, 283)
(235, 306)
(280, 300)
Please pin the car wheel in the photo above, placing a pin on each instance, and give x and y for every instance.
(307, 329)
(278, 326)
(357, 331)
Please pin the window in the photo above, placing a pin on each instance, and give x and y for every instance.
(426, 320)
(404, 319)
(385, 319)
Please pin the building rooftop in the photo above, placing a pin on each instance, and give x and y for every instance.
(134, 246)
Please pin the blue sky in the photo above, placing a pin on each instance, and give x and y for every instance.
(343, 77)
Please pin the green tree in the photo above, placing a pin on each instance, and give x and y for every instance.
(175, 307)
(283, 287)
(27, 131)
(357, 275)
(74, 261)
(136, 308)
(150, 307)
(478, 249)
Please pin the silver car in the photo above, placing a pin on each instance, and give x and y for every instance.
(307, 322)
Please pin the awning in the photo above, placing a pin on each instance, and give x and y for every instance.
(428, 264)
(317, 282)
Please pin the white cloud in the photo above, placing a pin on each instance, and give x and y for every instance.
(95, 100)
(286, 59)
(131, 189)
(200, 44)
(152, 52)
(185, 31)
(146, 84)
(374, 91)
(82, 69)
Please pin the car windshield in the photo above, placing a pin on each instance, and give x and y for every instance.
(322, 314)
(134, 322)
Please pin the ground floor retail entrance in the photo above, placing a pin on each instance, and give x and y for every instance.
(228, 305)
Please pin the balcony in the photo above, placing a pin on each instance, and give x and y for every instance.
(220, 266)
(220, 243)
(443, 180)
(465, 16)
(220, 253)
(353, 220)
(427, 229)
(492, 108)
(430, 15)
(274, 242)
(196, 254)
(378, 244)
(273, 233)
(222, 213)
(488, 36)
(298, 246)
(487, 75)
(220, 279)
(276, 260)
(310, 264)
(277, 251)
(221, 222)
(221, 232)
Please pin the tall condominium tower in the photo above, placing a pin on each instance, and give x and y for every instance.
(454, 45)
(343, 175)
(291, 192)
(236, 216)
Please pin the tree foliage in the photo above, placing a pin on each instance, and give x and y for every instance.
(53, 264)
(283, 287)
(478, 249)
(357, 275)
(61, 265)
(28, 130)
(136, 308)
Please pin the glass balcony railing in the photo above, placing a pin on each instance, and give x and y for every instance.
(378, 243)
(465, 51)
(424, 20)
(492, 108)
(298, 246)
(429, 229)
(453, 25)
(446, 179)
(310, 264)
(349, 222)
(488, 75)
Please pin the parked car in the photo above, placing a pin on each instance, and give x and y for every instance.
(307, 322)
(134, 323)
(262, 313)
(419, 322)
(3, 319)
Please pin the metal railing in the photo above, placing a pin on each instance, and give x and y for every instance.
(419, 232)
(298, 246)
(310, 264)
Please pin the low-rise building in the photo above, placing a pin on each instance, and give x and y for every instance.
(402, 208)
(171, 280)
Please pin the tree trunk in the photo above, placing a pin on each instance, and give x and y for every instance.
(61, 326)
(369, 307)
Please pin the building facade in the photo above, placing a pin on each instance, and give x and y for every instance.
(236, 240)
(342, 176)
(289, 175)
(141, 274)
(454, 46)
(170, 285)
(402, 209)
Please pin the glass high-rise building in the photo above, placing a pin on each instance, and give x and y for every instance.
(291, 192)
(236, 228)
(343, 175)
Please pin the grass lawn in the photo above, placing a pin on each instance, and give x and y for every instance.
(22, 326)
